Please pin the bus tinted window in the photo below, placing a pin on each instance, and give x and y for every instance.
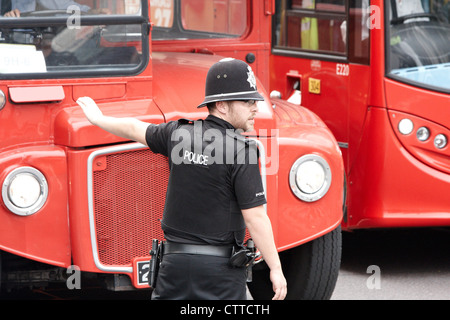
(362, 17)
(198, 19)
(161, 13)
(229, 16)
(309, 25)
(90, 38)
(326, 5)
(419, 43)
(323, 27)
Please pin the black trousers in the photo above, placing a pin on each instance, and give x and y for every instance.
(199, 277)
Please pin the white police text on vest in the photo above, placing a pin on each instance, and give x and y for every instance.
(195, 158)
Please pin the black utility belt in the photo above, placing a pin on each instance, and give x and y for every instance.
(208, 250)
(242, 256)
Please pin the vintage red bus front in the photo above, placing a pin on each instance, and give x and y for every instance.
(49, 58)
(74, 194)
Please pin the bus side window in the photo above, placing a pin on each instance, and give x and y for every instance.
(362, 17)
(311, 25)
(219, 16)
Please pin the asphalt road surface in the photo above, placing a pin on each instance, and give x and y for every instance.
(401, 264)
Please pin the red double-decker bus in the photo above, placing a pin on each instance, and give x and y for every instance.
(378, 74)
(76, 197)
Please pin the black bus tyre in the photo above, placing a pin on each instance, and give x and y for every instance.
(311, 270)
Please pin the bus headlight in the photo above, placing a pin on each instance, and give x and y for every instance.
(310, 177)
(25, 191)
(440, 141)
(405, 126)
(423, 134)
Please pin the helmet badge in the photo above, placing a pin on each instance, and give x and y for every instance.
(251, 78)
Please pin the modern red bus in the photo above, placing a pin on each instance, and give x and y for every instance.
(74, 195)
(378, 74)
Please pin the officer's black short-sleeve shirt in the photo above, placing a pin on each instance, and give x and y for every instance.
(214, 174)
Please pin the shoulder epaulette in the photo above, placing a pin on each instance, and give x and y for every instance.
(185, 121)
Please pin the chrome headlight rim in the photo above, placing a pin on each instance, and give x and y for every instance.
(2, 99)
(41, 196)
(320, 193)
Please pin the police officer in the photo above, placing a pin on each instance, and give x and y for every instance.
(214, 189)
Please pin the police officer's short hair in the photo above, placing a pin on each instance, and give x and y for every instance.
(211, 106)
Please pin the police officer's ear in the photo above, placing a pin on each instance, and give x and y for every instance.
(222, 107)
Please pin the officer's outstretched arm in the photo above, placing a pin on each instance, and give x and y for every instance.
(128, 128)
(260, 229)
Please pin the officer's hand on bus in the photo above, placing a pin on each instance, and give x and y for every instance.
(279, 284)
(13, 14)
(90, 109)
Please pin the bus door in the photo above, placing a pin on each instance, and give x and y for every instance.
(320, 57)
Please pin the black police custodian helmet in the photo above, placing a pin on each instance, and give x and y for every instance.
(230, 79)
